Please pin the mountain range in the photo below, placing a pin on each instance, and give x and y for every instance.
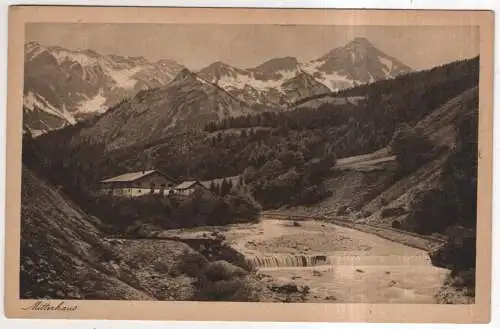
(281, 81)
(62, 87)
(186, 102)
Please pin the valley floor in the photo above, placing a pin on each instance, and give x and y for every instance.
(349, 265)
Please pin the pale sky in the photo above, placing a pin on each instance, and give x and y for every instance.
(244, 46)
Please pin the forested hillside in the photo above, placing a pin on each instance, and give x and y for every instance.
(293, 149)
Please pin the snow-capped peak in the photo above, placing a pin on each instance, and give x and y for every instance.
(358, 62)
(74, 84)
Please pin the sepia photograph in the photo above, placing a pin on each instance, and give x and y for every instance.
(251, 162)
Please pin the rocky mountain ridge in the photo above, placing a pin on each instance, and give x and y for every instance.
(62, 87)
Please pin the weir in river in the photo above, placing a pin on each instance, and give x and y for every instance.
(288, 260)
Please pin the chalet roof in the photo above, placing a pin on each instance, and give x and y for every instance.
(128, 177)
(187, 184)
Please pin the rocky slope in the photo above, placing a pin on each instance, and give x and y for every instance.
(63, 255)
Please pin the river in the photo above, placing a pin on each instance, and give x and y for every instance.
(338, 263)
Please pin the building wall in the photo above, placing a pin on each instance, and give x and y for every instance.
(185, 192)
(133, 191)
(191, 190)
(153, 183)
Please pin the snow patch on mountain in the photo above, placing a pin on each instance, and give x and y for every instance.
(94, 104)
(334, 81)
(67, 115)
(242, 81)
(32, 101)
(123, 78)
(201, 80)
(387, 63)
(62, 55)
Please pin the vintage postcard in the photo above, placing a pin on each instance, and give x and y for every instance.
(249, 164)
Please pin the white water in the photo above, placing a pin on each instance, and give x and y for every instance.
(286, 260)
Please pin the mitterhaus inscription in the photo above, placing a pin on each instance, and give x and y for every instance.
(48, 306)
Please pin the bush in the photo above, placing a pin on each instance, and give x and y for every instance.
(220, 251)
(191, 264)
(195, 211)
(465, 278)
(223, 281)
(235, 290)
(431, 212)
(458, 254)
(392, 212)
(243, 207)
(396, 224)
(222, 270)
(130, 215)
(123, 212)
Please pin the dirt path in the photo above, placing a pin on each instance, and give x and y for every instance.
(351, 266)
